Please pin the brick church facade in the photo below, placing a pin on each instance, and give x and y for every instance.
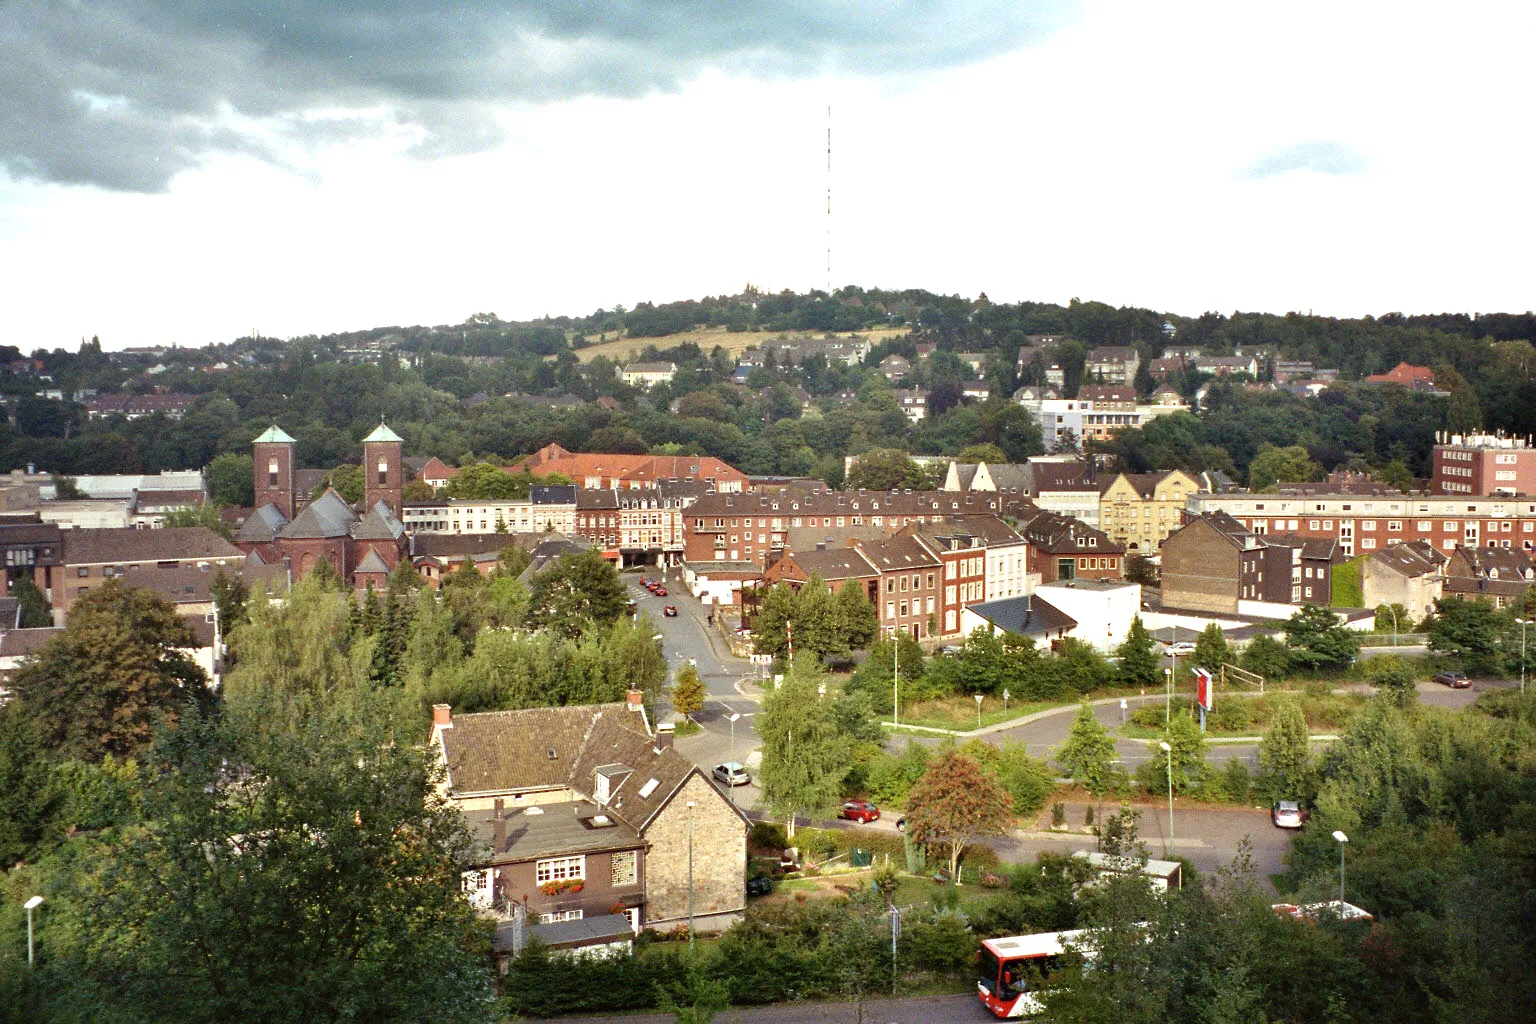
(362, 545)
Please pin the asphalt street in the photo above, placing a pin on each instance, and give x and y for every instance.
(916, 1010)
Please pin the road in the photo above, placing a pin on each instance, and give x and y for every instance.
(916, 1010)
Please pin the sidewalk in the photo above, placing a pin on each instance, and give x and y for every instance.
(1014, 723)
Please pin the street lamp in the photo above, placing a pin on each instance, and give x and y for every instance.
(1393, 612)
(1005, 701)
(1165, 748)
(731, 785)
(690, 876)
(1168, 698)
(895, 677)
(31, 905)
(1523, 624)
(1341, 839)
(978, 711)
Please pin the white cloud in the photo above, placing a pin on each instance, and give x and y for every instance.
(1114, 161)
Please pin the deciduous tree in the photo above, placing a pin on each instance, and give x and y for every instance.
(858, 622)
(1285, 755)
(1318, 639)
(688, 692)
(956, 803)
(1138, 657)
(1089, 755)
(806, 756)
(102, 685)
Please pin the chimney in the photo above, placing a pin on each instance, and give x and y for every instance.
(635, 698)
(664, 736)
(442, 715)
(498, 827)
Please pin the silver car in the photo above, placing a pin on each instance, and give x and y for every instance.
(1288, 814)
(731, 774)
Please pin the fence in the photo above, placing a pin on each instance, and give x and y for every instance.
(1393, 639)
(1232, 677)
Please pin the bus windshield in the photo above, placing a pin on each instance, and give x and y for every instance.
(987, 970)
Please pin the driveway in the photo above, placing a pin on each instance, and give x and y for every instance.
(915, 1010)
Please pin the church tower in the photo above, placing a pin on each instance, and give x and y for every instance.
(382, 473)
(273, 470)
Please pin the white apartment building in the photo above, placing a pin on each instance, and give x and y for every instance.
(546, 513)
(1008, 572)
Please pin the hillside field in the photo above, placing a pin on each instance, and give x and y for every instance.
(707, 338)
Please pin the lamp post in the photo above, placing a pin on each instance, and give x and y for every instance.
(895, 678)
(31, 905)
(978, 711)
(690, 876)
(1341, 839)
(1523, 624)
(1165, 748)
(731, 788)
(1005, 701)
(1168, 698)
(1393, 612)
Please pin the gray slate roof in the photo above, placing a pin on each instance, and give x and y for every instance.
(564, 828)
(497, 751)
(372, 563)
(326, 516)
(262, 525)
(379, 524)
(1029, 616)
(111, 546)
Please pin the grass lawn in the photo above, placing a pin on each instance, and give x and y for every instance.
(687, 727)
(959, 712)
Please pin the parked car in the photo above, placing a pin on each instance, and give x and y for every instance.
(1455, 680)
(731, 774)
(660, 591)
(645, 581)
(1182, 648)
(949, 650)
(859, 810)
(670, 611)
(1288, 814)
(760, 886)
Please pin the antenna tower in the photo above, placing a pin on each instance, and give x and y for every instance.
(829, 200)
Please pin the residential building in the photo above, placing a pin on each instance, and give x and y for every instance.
(1483, 464)
(30, 547)
(1366, 523)
(88, 513)
(1102, 610)
(647, 374)
(963, 555)
(91, 557)
(910, 583)
(635, 526)
(149, 508)
(895, 368)
(585, 814)
(1213, 563)
(607, 470)
(913, 404)
(1287, 370)
(1414, 378)
(548, 508)
(1166, 366)
(1411, 575)
(1139, 510)
(1226, 366)
(1030, 394)
(1112, 364)
(1503, 576)
(435, 473)
(976, 391)
(1066, 548)
(1031, 616)
(756, 527)
(125, 486)
(133, 407)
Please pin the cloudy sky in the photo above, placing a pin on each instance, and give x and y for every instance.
(192, 172)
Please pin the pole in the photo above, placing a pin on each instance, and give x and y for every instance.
(1393, 612)
(1341, 879)
(1523, 624)
(1170, 798)
(690, 876)
(1168, 698)
(31, 960)
(895, 679)
(895, 930)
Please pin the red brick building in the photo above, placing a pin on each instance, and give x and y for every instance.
(1483, 465)
(1063, 548)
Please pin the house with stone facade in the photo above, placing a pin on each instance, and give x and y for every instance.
(587, 819)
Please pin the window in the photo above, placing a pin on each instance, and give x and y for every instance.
(560, 915)
(83, 571)
(624, 868)
(950, 570)
(903, 607)
(930, 600)
(903, 584)
(383, 472)
(557, 868)
(1449, 527)
(1312, 524)
(1370, 542)
(890, 609)
(649, 788)
(1394, 526)
(949, 595)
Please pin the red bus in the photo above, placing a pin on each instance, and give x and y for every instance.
(1011, 972)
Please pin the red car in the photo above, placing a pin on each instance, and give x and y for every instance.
(859, 810)
(659, 591)
(645, 582)
(670, 611)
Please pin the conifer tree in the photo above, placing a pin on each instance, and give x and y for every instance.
(1138, 657)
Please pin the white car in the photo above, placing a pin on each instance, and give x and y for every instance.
(731, 774)
(1182, 648)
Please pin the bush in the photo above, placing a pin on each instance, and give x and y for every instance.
(818, 843)
(979, 857)
(1237, 781)
(1232, 714)
(1058, 813)
(767, 835)
(943, 945)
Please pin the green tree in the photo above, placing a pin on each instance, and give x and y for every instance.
(101, 686)
(1393, 618)
(203, 514)
(1318, 639)
(1285, 755)
(858, 623)
(347, 479)
(230, 595)
(1466, 629)
(806, 756)
(1211, 648)
(27, 793)
(955, 804)
(332, 863)
(770, 626)
(231, 480)
(1393, 678)
(1188, 754)
(482, 481)
(1267, 657)
(1138, 657)
(35, 612)
(884, 469)
(1272, 465)
(579, 590)
(983, 452)
(1089, 755)
(688, 692)
(815, 619)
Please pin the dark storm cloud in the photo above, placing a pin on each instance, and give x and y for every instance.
(124, 93)
(1321, 157)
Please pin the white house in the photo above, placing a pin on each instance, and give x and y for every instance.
(914, 404)
(647, 374)
(1103, 609)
